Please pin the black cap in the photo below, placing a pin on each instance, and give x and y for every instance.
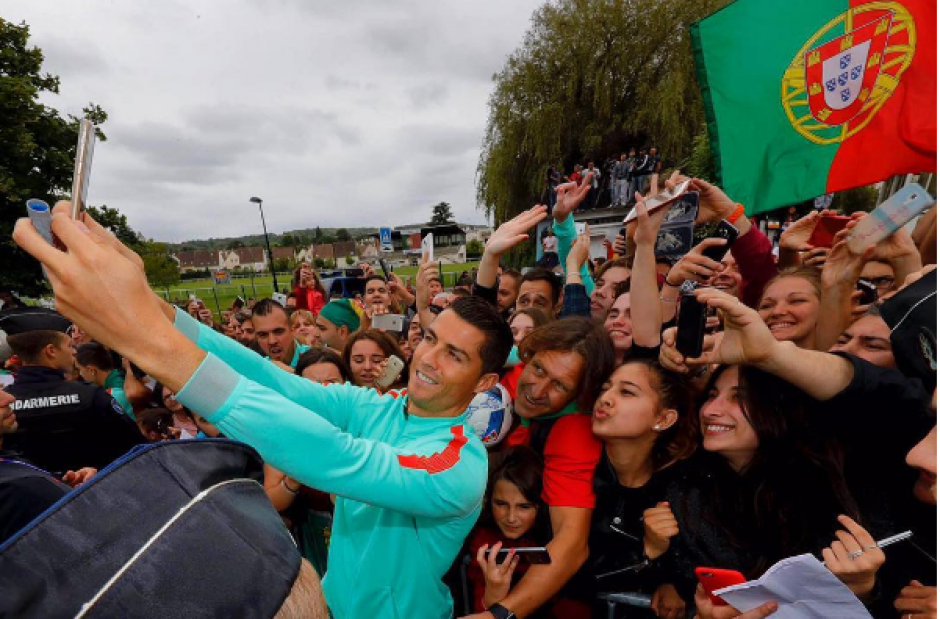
(912, 316)
(18, 320)
(174, 529)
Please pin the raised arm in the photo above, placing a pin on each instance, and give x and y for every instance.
(576, 302)
(748, 341)
(644, 289)
(569, 196)
(92, 243)
(508, 235)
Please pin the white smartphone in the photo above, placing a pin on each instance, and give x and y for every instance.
(389, 322)
(427, 246)
(280, 298)
(392, 370)
(580, 226)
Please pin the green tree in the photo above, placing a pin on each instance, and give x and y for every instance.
(282, 264)
(116, 222)
(441, 214)
(850, 201)
(162, 270)
(287, 240)
(350, 260)
(38, 148)
(591, 78)
(343, 235)
(474, 247)
(235, 244)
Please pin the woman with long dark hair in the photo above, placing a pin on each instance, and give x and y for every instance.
(643, 418)
(762, 488)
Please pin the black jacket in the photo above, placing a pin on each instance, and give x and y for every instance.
(66, 425)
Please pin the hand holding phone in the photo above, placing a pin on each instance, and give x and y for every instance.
(726, 231)
(690, 332)
(827, 226)
(393, 368)
(713, 578)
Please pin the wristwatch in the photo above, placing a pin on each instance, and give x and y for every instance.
(501, 612)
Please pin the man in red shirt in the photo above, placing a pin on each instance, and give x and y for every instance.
(564, 364)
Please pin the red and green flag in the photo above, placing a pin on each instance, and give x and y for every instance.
(807, 97)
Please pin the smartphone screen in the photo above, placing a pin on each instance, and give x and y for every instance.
(535, 556)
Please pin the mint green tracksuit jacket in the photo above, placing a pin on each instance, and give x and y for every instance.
(410, 488)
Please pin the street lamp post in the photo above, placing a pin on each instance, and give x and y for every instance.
(267, 242)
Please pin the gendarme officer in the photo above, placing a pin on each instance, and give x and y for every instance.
(63, 424)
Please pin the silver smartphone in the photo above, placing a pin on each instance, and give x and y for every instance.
(392, 371)
(82, 172)
(389, 322)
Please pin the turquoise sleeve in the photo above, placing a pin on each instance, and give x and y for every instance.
(250, 364)
(320, 455)
(566, 233)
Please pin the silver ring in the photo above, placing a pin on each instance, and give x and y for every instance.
(856, 554)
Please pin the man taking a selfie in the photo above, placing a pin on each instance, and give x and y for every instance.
(408, 471)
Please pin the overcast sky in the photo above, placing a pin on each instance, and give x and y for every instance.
(348, 113)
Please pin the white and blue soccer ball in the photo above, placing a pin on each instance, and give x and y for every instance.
(490, 414)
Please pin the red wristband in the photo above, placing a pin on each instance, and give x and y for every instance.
(738, 211)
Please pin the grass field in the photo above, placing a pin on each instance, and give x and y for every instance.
(218, 298)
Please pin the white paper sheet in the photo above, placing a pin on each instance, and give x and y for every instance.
(802, 587)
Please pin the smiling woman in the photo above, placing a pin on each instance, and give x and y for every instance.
(790, 306)
(761, 470)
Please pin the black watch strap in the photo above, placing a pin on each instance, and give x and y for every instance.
(501, 612)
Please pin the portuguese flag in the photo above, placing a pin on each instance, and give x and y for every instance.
(807, 97)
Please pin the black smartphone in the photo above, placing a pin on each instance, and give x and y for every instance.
(690, 332)
(535, 556)
(869, 291)
(385, 269)
(725, 230)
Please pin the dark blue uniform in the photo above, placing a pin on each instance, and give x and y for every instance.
(66, 425)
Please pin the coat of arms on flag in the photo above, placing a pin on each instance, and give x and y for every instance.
(847, 78)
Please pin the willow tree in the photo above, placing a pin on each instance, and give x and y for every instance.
(590, 77)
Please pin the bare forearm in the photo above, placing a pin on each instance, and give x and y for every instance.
(904, 266)
(488, 270)
(644, 293)
(803, 368)
(835, 314)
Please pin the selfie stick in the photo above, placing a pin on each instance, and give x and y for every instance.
(41, 215)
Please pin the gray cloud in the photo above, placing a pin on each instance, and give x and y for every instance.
(352, 113)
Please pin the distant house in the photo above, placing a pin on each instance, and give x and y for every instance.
(310, 254)
(284, 253)
(346, 248)
(198, 260)
(252, 258)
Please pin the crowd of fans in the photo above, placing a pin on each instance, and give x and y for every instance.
(807, 425)
(614, 186)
